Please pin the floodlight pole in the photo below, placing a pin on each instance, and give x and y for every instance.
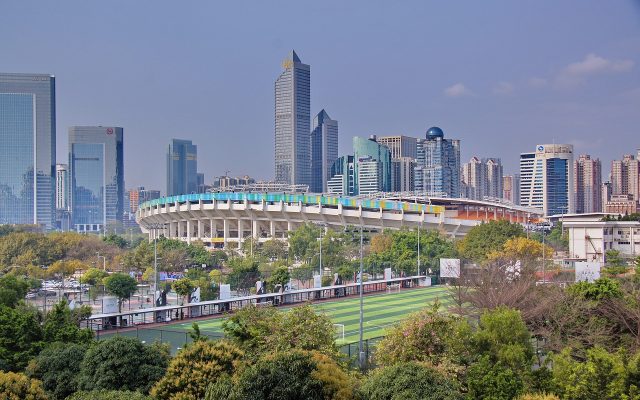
(419, 247)
(361, 350)
(321, 254)
(544, 275)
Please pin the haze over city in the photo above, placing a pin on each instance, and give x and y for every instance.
(501, 77)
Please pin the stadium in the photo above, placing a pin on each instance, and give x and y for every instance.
(218, 219)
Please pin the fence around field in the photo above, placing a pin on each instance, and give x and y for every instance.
(178, 339)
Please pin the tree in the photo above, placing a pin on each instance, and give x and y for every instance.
(274, 249)
(60, 326)
(262, 330)
(109, 395)
(429, 336)
(20, 337)
(281, 376)
(115, 240)
(602, 375)
(303, 273)
(615, 263)
(303, 241)
(487, 380)
(93, 276)
(280, 276)
(120, 285)
(244, 273)
(411, 381)
(18, 387)
(183, 287)
(526, 251)
(123, 363)
(488, 237)
(600, 289)
(538, 396)
(58, 367)
(12, 289)
(195, 367)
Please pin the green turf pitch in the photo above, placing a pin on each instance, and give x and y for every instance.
(380, 312)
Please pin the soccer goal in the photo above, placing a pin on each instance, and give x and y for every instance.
(339, 328)
(395, 288)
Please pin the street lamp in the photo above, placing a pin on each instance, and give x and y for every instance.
(155, 227)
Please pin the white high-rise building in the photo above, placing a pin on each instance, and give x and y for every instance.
(62, 187)
(546, 179)
(494, 178)
(293, 122)
(474, 179)
(511, 188)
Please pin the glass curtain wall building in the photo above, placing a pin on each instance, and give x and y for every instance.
(96, 166)
(292, 122)
(546, 179)
(182, 167)
(438, 166)
(27, 149)
(324, 150)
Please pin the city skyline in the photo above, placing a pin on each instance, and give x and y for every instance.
(513, 83)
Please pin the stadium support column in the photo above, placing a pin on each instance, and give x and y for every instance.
(180, 230)
(213, 227)
(240, 231)
(272, 229)
(200, 229)
(189, 229)
(255, 229)
(225, 231)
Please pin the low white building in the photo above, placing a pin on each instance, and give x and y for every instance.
(590, 238)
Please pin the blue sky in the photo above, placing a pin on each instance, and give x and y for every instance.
(502, 76)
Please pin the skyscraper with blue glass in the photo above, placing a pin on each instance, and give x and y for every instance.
(27, 149)
(437, 172)
(182, 167)
(324, 150)
(96, 168)
(292, 122)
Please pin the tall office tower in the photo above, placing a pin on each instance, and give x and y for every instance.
(587, 174)
(546, 179)
(365, 152)
(474, 179)
(292, 122)
(606, 194)
(342, 181)
(182, 167)
(27, 149)
(625, 176)
(96, 167)
(511, 188)
(324, 150)
(402, 174)
(62, 187)
(200, 182)
(400, 146)
(139, 195)
(438, 165)
(494, 178)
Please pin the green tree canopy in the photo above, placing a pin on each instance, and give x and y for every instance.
(409, 381)
(121, 363)
(93, 276)
(600, 289)
(12, 289)
(483, 239)
(20, 337)
(195, 367)
(58, 367)
(109, 395)
(60, 325)
(120, 285)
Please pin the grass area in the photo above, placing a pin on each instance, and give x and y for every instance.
(380, 312)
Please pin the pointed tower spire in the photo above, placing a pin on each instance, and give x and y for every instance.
(294, 56)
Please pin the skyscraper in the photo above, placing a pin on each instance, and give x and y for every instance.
(438, 165)
(625, 176)
(403, 160)
(27, 149)
(292, 122)
(587, 174)
(182, 167)
(96, 166)
(62, 187)
(474, 179)
(546, 179)
(366, 153)
(139, 195)
(324, 150)
(511, 188)
(494, 178)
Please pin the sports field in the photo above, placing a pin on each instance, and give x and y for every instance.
(380, 311)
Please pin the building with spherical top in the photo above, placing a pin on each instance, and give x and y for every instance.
(437, 172)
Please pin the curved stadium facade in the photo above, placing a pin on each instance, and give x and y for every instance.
(221, 218)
